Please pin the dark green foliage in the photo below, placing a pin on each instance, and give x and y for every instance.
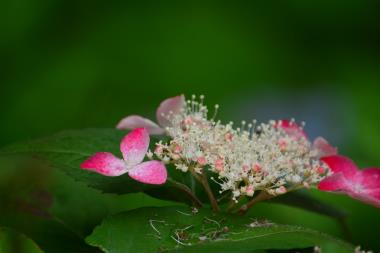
(177, 229)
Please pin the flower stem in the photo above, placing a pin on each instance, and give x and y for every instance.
(204, 181)
(233, 203)
(345, 229)
(206, 185)
(231, 206)
(263, 195)
(184, 188)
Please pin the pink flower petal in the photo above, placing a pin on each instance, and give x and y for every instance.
(170, 105)
(291, 128)
(135, 121)
(134, 146)
(323, 147)
(335, 182)
(366, 186)
(106, 164)
(371, 179)
(152, 172)
(342, 164)
(363, 185)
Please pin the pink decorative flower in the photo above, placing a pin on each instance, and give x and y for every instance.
(133, 147)
(363, 185)
(169, 106)
(320, 145)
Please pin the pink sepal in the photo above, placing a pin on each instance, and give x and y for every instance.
(135, 121)
(363, 185)
(106, 164)
(134, 146)
(323, 147)
(171, 105)
(152, 172)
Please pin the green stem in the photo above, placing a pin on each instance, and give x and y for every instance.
(185, 189)
(345, 229)
(213, 201)
(233, 203)
(224, 196)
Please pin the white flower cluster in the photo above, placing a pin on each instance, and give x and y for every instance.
(245, 159)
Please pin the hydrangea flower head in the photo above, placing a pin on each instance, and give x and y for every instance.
(275, 157)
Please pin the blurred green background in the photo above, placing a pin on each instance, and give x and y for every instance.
(77, 64)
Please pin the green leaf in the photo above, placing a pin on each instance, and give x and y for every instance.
(12, 241)
(177, 229)
(68, 149)
(82, 208)
(306, 201)
(52, 209)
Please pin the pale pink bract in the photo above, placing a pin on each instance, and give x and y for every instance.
(133, 147)
(323, 148)
(168, 106)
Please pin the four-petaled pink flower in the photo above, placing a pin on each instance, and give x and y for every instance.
(363, 185)
(169, 106)
(133, 147)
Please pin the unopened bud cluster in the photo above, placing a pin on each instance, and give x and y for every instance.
(245, 159)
